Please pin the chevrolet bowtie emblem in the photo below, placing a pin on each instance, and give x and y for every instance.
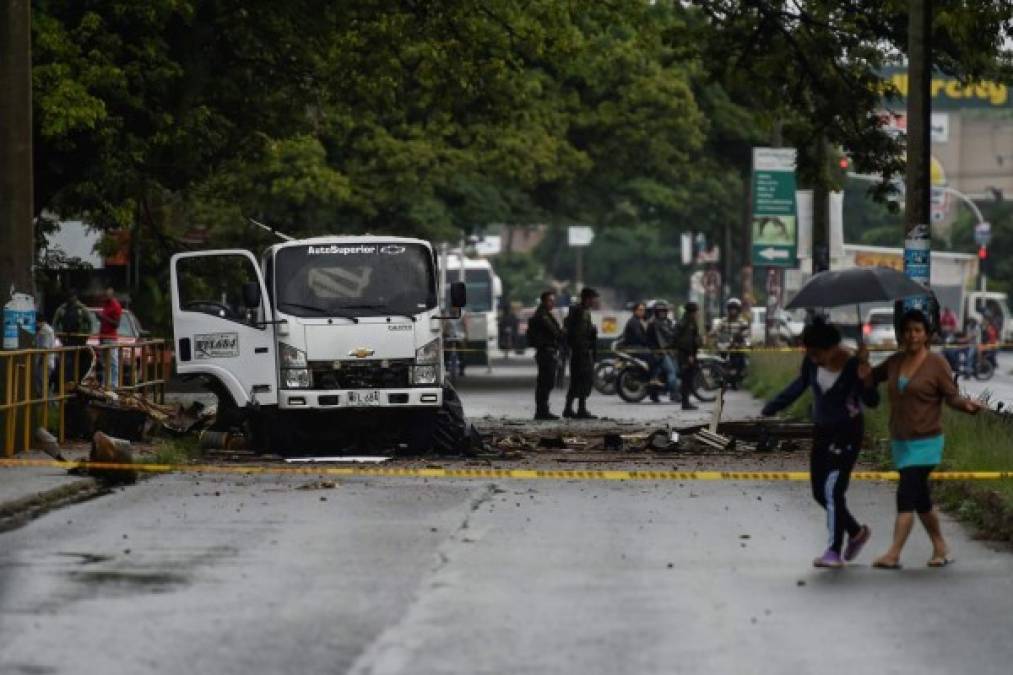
(361, 352)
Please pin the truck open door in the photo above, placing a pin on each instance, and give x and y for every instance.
(221, 315)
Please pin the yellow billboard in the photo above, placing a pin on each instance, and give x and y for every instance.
(879, 259)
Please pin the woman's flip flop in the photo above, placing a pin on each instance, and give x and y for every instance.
(939, 562)
(887, 565)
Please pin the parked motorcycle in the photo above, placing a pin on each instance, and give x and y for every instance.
(606, 371)
(634, 384)
(712, 372)
(969, 361)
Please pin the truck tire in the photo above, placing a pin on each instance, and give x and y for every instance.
(450, 428)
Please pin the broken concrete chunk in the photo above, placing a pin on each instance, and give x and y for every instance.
(109, 450)
(47, 443)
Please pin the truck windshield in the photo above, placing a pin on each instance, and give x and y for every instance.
(354, 279)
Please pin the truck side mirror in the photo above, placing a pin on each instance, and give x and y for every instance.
(251, 294)
(458, 295)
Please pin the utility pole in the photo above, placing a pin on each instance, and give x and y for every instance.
(821, 208)
(17, 237)
(917, 237)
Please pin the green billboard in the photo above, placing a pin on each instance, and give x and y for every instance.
(774, 216)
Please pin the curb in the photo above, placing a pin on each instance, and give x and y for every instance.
(18, 512)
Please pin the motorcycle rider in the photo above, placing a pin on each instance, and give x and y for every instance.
(732, 332)
(661, 339)
(635, 332)
(687, 342)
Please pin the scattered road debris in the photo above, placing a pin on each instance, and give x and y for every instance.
(351, 459)
(109, 450)
(47, 443)
(319, 485)
(714, 440)
(135, 415)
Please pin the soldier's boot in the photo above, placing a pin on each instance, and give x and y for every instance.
(582, 413)
(568, 410)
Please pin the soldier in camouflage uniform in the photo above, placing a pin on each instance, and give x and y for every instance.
(582, 337)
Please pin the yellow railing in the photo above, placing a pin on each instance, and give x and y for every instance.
(34, 380)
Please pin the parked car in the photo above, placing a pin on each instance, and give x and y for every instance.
(787, 328)
(129, 333)
(877, 330)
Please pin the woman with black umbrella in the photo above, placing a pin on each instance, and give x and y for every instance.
(831, 372)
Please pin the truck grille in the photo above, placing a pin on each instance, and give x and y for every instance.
(361, 374)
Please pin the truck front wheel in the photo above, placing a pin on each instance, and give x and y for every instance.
(449, 432)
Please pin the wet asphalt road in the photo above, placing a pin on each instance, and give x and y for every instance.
(199, 574)
(189, 574)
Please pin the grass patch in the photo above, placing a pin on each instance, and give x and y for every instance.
(980, 443)
(175, 451)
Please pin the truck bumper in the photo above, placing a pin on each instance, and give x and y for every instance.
(366, 399)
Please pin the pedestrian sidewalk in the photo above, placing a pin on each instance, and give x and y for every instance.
(26, 492)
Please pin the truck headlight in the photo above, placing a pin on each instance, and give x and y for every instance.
(294, 373)
(427, 363)
(296, 378)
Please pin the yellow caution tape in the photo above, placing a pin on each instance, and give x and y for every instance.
(513, 474)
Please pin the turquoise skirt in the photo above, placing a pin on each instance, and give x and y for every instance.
(917, 452)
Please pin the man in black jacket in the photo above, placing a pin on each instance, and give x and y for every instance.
(687, 342)
(545, 335)
(581, 337)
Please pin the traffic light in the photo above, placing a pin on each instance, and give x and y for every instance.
(840, 171)
(982, 253)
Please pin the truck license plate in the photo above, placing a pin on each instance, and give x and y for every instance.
(364, 398)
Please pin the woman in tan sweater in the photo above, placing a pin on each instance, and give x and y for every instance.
(918, 383)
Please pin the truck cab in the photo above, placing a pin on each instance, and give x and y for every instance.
(990, 307)
(320, 337)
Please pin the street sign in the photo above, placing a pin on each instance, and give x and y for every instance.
(579, 235)
(774, 213)
(687, 248)
(770, 254)
(983, 234)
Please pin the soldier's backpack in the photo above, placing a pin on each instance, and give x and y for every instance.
(71, 322)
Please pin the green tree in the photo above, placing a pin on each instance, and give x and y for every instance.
(814, 67)
(523, 277)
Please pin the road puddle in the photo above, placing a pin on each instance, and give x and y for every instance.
(86, 558)
(128, 581)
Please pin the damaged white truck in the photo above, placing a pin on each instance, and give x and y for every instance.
(330, 343)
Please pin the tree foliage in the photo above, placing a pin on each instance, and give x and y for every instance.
(434, 118)
(820, 63)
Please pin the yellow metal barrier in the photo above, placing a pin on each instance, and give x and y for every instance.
(35, 379)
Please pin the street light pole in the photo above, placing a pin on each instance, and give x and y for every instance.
(980, 219)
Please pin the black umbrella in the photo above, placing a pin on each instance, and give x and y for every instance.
(854, 286)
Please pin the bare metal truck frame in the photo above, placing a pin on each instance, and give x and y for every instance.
(330, 342)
